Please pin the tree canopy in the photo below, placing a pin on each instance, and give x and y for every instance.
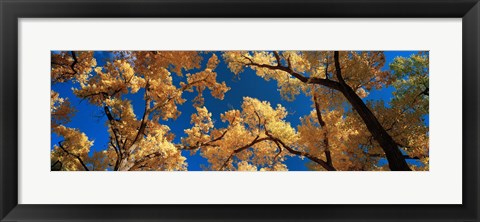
(141, 95)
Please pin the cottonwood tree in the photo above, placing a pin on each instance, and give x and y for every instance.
(342, 132)
(257, 137)
(72, 152)
(136, 143)
(336, 78)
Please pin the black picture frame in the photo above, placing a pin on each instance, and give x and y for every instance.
(11, 11)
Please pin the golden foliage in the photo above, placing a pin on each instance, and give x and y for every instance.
(256, 137)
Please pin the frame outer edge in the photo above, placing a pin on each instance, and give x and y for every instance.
(470, 118)
(476, 62)
(8, 110)
(2, 189)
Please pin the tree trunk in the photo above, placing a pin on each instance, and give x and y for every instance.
(395, 158)
(125, 165)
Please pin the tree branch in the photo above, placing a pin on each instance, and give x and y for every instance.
(71, 73)
(310, 80)
(114, 130)
(119, 156)
(145, 158)
(338, 70)
(328, 154)
(143, 122)
(57, 162)
(255, 141)
(76, 156)
(198, 145)
(277, 57)
(307, 155)
(279, 150)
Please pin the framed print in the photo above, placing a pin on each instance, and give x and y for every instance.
(223, 110)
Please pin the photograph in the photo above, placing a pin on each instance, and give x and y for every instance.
(239, 110)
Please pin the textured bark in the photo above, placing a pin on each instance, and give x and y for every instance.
(322, 123)
(395, 158)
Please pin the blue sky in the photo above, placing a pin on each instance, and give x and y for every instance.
(91, 119)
